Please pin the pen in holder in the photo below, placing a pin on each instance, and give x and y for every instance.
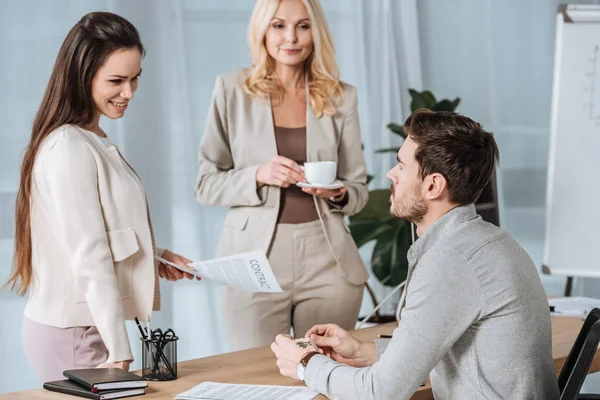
(159, 356)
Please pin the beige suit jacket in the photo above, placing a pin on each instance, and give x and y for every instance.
(93, 243)
(239, 137)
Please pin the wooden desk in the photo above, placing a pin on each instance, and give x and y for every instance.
(257, 366)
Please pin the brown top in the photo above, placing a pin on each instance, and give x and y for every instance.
(296, 206)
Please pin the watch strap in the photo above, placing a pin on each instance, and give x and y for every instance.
(306, 358)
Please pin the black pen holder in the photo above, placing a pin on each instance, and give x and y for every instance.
(159, 359)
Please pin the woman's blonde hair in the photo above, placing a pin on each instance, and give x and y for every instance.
(322, 73)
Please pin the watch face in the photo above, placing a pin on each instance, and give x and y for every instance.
(300, 371)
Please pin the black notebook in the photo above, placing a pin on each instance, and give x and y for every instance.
(69, 387)
(96, 379)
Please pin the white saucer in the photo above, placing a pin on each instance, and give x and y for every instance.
(335, 185)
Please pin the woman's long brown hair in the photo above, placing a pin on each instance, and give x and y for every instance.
(67, 100)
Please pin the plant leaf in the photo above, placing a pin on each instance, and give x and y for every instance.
(382, 255)
(429, 99)
(418, 100)
(455, 103)
(377, 207)
(389, 261)
(388, 150)
(447, 105)
(413, 93)
(365, 230)
(444, 105)
(397, 129)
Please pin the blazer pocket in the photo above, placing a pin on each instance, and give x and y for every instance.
(123, 245)
(234, 233)
(236, 221)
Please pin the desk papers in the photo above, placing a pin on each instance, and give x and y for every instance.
(227, 391)
(245, 271)
(573, 306)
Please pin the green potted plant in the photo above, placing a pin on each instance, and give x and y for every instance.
(392, 236)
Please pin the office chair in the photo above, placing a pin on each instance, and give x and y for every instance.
(580, 358)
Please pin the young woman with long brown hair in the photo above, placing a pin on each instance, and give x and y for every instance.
(84, 244)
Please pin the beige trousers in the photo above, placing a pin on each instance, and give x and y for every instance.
(315, 291)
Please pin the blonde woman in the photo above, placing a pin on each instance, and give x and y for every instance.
(264, 122)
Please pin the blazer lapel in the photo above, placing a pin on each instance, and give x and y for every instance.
(263, 124)
(321, 141)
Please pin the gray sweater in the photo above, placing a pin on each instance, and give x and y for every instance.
(475, 318)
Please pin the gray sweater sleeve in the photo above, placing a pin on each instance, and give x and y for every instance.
(444, 298)
(381, 344)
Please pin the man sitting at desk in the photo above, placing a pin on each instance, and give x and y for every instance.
(475, 316)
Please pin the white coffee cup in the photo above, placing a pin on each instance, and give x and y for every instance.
(320, 172)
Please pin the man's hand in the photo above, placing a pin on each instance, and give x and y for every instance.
(171, 273)
(119, 364)
(337, 344)
(289, 352)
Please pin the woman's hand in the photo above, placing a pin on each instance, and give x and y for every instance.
(281, 171)
(171, 273)
(331, 195)
(124, 365)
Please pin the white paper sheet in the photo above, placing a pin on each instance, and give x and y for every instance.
(246, 271)
(573, 306)
(227, 391)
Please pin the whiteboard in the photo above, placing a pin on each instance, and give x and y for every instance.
(572, 234)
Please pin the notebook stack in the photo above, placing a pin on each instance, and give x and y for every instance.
(99, 383)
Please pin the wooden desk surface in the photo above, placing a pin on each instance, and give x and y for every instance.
(257, 366)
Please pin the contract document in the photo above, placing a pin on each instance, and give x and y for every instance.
(227, 391)
(245, 271)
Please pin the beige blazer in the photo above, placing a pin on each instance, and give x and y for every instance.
(93, 243)
(239, 137)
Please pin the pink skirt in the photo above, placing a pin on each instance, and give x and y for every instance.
(52, 350)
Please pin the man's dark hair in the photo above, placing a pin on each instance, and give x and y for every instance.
(457, 148)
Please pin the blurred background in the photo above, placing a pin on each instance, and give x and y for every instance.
(497, 56)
